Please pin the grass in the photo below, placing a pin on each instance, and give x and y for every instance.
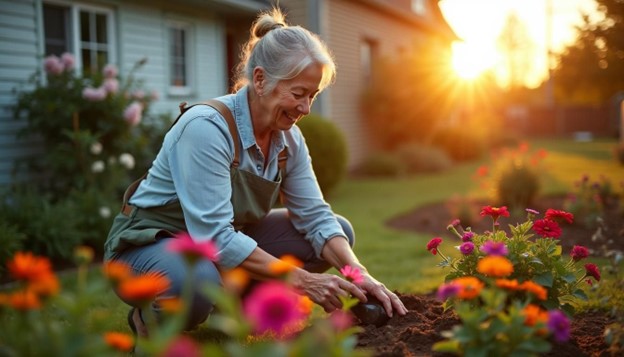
(399, 259)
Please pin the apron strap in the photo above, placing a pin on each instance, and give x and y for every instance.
(225, 112)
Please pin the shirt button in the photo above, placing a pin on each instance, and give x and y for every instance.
(259, 167)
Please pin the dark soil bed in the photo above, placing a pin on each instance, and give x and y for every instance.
(415, 333)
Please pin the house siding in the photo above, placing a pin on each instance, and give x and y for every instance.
(140, 32)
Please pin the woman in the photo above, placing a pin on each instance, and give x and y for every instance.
(218, 177)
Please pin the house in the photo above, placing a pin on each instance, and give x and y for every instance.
(191, 47)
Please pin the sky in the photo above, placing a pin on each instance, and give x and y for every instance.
(479, 23)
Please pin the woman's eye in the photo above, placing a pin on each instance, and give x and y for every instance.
(297, 95)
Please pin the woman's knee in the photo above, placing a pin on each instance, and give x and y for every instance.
(347, 228)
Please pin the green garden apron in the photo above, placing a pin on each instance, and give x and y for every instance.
(252, 198)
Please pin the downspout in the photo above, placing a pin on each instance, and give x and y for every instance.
(316, 23)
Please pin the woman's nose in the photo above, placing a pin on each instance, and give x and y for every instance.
(304, 106)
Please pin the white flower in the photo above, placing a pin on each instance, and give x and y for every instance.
(105, 212)
(96, 148)
(97, 166)
(126, 160)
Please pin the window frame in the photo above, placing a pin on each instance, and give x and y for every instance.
(188, 29)
(73, 39)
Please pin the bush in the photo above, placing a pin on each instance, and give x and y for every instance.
(381, 164)
(518, 185)
(11, 241)
(421, 158)
(618, 152)
(459, 144)
(328, 149)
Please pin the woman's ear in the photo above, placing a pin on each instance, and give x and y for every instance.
(258, 80)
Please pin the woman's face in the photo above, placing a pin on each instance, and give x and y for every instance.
(292, 98)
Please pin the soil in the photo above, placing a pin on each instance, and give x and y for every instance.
(415, 333)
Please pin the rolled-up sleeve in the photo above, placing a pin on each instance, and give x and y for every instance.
(200, 156)
(309, 212)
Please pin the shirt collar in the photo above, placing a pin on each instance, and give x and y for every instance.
(244, 124)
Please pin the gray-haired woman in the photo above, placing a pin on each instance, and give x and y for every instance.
(220, 171)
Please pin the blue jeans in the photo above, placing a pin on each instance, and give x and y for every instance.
(274, 234)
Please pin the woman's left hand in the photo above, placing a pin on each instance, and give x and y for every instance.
(388, 299)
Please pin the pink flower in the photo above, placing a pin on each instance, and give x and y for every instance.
(133, 113)
(341, 320)
(547, 228)
(273, 306)
(53, 65)
(433, 244)
(111, 85)
(154, 95)
(579, 252)
(182, 346)
(138, 94)
(352, 274)
(494, 248)
(554, 215)
(559, 325)
(94, 94)
(467, 236)
(192, 250)
(68, 61)
(446, 291)
(110, 71)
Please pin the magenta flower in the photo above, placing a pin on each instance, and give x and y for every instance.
(433, 244)
(466, 248)
(182, 346)
(467, 236)
(273, 306)
(133, 113)
(592, 270)
(192, 250)
(341, 320)
(579, 252)
(494, 248)
(446, 291)
(547, 228)
(559, 325)
(352, 274)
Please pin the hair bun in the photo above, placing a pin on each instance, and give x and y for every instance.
(268, 22)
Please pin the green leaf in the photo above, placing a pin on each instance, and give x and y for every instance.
(580, 293)
(446, 346)
(544, 279)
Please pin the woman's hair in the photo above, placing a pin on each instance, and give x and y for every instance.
(282, 51)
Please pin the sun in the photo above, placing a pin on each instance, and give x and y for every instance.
(470, 60)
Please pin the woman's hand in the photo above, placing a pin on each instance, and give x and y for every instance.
(325, 289)
(388, 299)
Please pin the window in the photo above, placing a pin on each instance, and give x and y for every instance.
(179, 54)
(367, 56)
(419, 6)
(85, 31)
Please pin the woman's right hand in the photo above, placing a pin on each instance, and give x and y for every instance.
(325, 289)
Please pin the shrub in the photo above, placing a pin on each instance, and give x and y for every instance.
(421, 158)
(589, 199)
(618, 152)
(328, 149)
(381, 164)
(460, 144)
(11, 241)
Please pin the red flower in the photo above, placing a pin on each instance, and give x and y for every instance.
(592, 270)
(555, 215)
(193, 250)
(547, 228)
(495, 212)
(579, 252)
(433, 244)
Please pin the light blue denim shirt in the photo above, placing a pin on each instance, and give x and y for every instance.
(193, 166)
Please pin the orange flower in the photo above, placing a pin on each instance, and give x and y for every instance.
(116, 271)
(46, 285)
(24, 300)
(83, 254)
(533, 314)
(143, 287)
(305, 305)
(119, 341)
(495, 266)
(507, 284)
(539, 291)
(235, 280)
(171, 305)
(285, 264)
(26, 266)
(470, 287)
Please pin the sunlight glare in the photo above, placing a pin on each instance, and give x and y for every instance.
(470, 60)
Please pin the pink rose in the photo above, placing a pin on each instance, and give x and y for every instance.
(94, 94)
(133, 113)
(110, 71)
(53, 65)
(111, 85)
(68, 61)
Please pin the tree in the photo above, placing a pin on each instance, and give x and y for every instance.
(591, 70)
(515, 45)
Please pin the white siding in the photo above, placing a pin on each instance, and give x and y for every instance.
(18, 60)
